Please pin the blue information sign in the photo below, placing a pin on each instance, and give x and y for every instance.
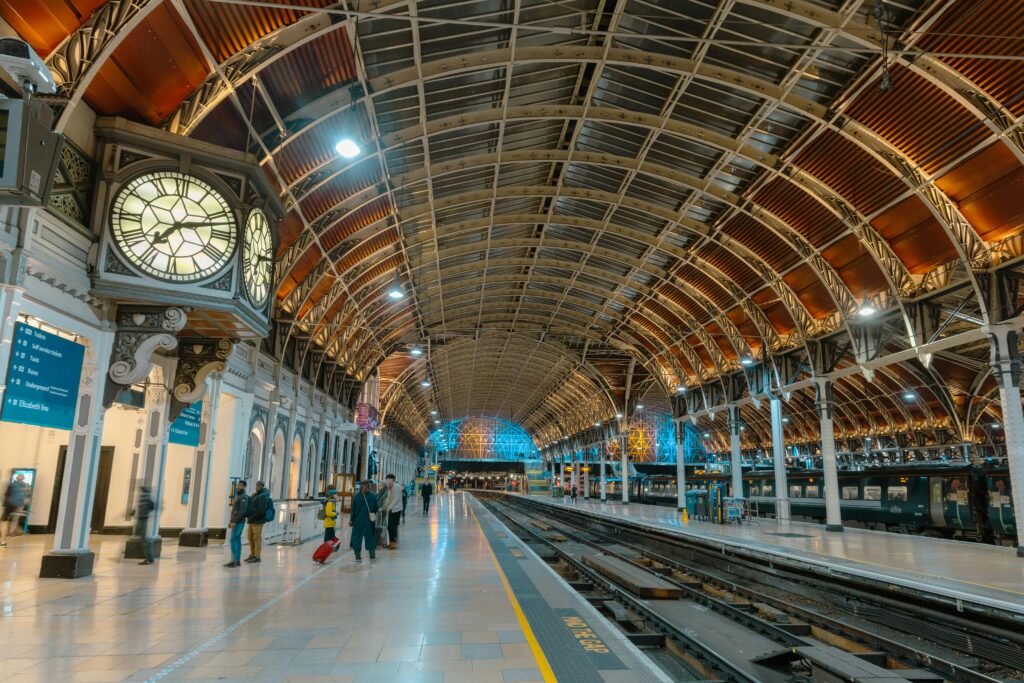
(185, 429)
(42, 379)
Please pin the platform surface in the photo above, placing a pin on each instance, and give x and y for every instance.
(436, 610)
(986, 574)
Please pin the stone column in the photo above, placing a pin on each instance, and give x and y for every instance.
(265, 472)
(680, 469)
(736, 463)
(779, 460)
(195, 533)
(1006, 368)
(154, 454)
(603, 455)
(825, 407)
(71, 557)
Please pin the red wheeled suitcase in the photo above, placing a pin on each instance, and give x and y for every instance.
(324, 551)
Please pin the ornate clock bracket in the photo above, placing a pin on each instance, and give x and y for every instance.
(197, 360)
(141, 330)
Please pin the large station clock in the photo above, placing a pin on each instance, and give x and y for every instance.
(173, 226)
(257, 258)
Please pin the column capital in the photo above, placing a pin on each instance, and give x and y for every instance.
(1005, 356)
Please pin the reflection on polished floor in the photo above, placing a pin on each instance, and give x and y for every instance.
(971, 570)
(434, 610)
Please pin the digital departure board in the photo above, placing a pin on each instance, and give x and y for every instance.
(42, 379)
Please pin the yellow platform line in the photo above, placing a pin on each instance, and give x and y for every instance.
(538, 653)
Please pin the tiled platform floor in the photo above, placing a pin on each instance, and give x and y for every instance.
(433, 611)
(990, 574)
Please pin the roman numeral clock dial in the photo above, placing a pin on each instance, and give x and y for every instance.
(173, 227)
(257, 258)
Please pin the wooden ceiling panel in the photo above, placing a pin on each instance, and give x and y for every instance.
(916, 118)
(915, 236)
(805, 283)
(989, 189)
(46, 23)
(151, 72)
(855, 265)
(800, 210)
(990, 27)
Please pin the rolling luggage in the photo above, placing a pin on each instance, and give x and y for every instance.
(324, 551)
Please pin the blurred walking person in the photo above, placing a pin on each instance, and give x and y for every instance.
(393, 506)
(426, 491)
(236, 523)
(143, 509)
(16, 497)
(331, 510)
(363, 522)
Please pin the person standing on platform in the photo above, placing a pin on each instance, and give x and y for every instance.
(331, 510)
(574, 493)
(259, 503)
(15, 499)
(236, 523)
(405, 501)
(393, 510)
(143, 509)
(363, 523)
(426, 491)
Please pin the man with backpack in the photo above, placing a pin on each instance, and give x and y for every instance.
(239, 513)
(261, 511)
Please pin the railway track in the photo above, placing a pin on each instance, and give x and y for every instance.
(733, 620)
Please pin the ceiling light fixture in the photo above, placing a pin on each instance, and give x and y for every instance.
(618, 416)
(747, 360)
(866, 309)
(395, 291)
(425, 383)
(416, 351)
(348, 148)
(785, 420)
(909, 396)
(433, 412)
(681, 389)
(706, 435)
(639, 406)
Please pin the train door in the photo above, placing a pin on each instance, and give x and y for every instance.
(957, 505)
(936, 501)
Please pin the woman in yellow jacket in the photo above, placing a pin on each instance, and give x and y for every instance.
(330, 516)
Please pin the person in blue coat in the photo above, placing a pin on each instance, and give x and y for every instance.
(363, 522)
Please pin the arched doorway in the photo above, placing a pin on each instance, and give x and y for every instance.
(253, 452)
(293, 469)
(276, 456)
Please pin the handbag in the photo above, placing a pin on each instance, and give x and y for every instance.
(373, 515)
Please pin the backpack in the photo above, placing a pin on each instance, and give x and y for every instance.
(321, 514)
(269, 515)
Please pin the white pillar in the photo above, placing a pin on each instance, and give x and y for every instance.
(195, 533)
(575, 475)
(71, 557)
(779, 460)
(736, 463)
(154, 452)
(680, 469)
(825, 406)
(624, 478)
(1006, 368)
(561, 473)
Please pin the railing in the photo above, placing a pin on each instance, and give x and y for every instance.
(295, 522)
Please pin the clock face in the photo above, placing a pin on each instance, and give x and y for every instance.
(257, 258)
(173, 226)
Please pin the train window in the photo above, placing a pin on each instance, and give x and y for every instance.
(812, 491)
(897, 493)
(851, 492)
(872, 493)
(796, 491)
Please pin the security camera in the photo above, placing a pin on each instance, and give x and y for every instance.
(23, 66)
